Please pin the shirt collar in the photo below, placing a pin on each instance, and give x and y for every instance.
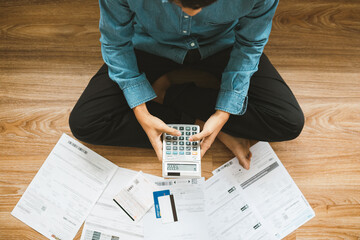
(164, 1)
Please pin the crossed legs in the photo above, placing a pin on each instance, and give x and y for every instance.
(101, 115)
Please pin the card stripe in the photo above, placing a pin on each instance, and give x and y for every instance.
(173, 207)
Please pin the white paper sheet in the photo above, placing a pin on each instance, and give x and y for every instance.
(136, 198)
(189, 202)
(269, 187)
(107, 220)
(229, 215)
(64, 190)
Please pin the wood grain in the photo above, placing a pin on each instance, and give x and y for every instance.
(50, 49)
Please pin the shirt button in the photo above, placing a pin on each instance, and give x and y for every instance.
(192, 44)
(184, 31)
(186, 16)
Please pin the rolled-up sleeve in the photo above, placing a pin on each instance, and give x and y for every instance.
(251, 35)
(116, 27)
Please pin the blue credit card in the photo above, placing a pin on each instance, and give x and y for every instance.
(156, 201)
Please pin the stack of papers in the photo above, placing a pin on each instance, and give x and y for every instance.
(75, 184)
(107, 220)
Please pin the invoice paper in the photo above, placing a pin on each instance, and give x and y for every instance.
(136, 198)
(270, 189)
(229, 215)
(64, 190)
(106, 220)
(189, 201)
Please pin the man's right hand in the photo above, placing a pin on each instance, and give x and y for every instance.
(154, 128)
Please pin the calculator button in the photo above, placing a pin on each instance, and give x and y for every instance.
(168, 152)
(181, 138)
(195, 148)
(181, 143)
(187, 138)
(181, 148)
(181, 153)
(188, 153)
(194, 153)
(175, 152)
(188, 148)
(194, 143)
(168, 137)
(194, 128)
(193, 133)
(175, 128)
(188, 133)
(168, 148)
(187, 128)
(182, 133)
(168, 143)
(174, 143)
(181, 128)
(174, 148)
(188, 143)
(174, 138)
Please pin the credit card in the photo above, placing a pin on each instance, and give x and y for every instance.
(157, 194)
(168, 209)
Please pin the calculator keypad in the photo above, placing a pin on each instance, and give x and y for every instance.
(175, 145)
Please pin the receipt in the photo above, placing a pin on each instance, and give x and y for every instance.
(136, 198)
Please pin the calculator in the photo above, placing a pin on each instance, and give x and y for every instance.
(181, 158)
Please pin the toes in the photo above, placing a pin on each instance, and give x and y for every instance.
(245, 163)
(249, 156)
(244, 160)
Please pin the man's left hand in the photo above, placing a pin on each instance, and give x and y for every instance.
(211, 129)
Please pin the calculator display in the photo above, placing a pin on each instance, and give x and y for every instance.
(181, 167)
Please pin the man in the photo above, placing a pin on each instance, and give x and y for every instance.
(129, 100)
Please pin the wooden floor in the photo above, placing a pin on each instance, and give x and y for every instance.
(49, 49)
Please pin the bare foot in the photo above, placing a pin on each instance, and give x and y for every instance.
(160, 86)
(239, 146)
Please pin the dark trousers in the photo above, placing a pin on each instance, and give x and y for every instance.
(102, 116)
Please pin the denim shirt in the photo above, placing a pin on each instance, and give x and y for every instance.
(162, 28)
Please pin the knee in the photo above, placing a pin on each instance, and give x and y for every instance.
(77, 124)
(293, 124)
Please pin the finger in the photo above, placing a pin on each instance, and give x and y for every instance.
(203, 151)
(157, 145)
(171, 131)
(206, 144)
(199, 136)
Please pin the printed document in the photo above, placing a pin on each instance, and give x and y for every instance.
(270, 189)
(64, 190)
(229, 215)
(191, 219)
(136, 198)
(106, 220)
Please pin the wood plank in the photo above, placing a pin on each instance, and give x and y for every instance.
(50, 49)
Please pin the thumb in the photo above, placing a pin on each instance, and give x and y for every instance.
(199, 136)
(171, 131)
